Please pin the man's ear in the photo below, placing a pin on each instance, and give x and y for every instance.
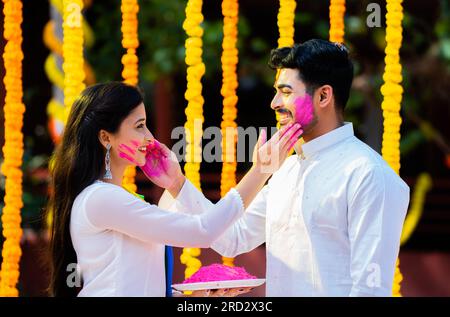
(104, 138)
(325, 95)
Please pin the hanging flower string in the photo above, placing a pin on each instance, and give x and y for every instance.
(73, 65)
(337, 11)
(194, 111)
(286, 17)
(13, 148)
(392, 97)
(52, 37)
(130, 43)
(230, 11)
(423, 185)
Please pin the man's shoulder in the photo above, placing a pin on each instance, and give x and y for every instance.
(366, 161)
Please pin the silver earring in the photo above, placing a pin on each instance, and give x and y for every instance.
(108, 174)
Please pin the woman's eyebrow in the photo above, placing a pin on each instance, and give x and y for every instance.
(142, 119)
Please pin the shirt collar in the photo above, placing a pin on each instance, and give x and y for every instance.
(331, 138)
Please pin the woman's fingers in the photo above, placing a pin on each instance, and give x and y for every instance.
(290, 134)
(262, 138)
(288, 143)
(280, 133)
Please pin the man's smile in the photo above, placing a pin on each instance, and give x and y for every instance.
(284, 116)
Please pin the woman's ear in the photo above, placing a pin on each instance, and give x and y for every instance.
(104, 137)
(325, 95)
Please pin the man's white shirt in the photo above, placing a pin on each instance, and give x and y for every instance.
(331, 220)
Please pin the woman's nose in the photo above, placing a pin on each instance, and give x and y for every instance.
(149, 136)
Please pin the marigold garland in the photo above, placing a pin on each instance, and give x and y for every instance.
(72, 52)
(13, 148)
(337, 11)
(52, 37)
(230, 11)
(423, 185)
(285, 22)
(194, 111)
(392, 97)
(286, 17)
(130, 42)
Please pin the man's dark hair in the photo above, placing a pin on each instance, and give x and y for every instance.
(319, 63)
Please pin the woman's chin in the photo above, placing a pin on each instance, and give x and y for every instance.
(140, 162)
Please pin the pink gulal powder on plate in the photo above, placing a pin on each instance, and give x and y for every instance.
(219, 272)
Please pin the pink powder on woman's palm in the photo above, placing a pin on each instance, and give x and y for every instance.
(155, 160)
(304, 110)
(219, 272)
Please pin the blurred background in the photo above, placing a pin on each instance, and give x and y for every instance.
(425, 130)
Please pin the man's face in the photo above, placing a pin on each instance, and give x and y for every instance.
(291, 102)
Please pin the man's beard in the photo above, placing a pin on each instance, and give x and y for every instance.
(289, 118)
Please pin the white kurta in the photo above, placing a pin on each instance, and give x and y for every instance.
(331, 221)
(119, 239)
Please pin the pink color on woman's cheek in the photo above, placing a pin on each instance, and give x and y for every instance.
(135, 143)
(127, 157)
(304, 110)
(126, 147)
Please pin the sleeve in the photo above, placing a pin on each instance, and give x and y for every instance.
(247, 233)
(109, 208)
(376, 213)
(189, 200)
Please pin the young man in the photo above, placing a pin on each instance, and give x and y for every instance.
(332, 215)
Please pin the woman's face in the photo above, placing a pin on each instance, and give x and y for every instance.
(128, 145)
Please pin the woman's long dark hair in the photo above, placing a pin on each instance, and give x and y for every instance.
(78, 162)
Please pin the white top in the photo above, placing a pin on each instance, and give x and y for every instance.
(119, 239)
(331, 221)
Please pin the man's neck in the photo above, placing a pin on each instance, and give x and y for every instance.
(318, 131)
(315, 133)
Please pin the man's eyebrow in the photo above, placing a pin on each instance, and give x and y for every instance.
(281, 86)
(142, 119)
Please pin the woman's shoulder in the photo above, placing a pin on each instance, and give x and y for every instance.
(101, 191)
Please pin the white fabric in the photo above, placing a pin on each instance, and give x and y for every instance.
(119, 239)
(331, 221)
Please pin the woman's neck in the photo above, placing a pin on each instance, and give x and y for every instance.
(117, 172)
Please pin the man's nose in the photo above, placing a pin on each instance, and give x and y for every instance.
(276, 103)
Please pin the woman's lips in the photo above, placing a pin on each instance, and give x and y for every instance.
(142, 149)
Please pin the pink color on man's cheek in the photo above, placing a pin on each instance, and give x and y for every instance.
(304, 110)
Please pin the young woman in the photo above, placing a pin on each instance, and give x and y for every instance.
(116, 239)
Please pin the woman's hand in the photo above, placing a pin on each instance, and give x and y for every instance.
(161, 166)
(269, 156)
(222, 292)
